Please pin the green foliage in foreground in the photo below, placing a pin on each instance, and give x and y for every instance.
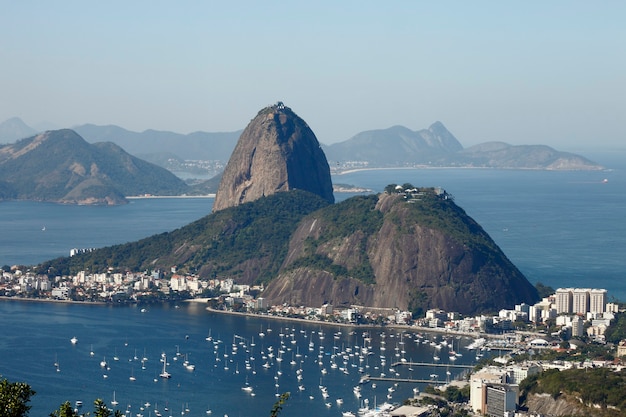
(14, 398)
(596, 386)
(278, 405)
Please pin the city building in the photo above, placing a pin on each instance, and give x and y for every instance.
(478, 384)
(564, 300)
(577, 327)
(580, 300)
(500, 399)
(518, 373)
(597, 301)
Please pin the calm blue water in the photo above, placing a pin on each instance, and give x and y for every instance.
(35, 336)
(24, 242)
(560, 228)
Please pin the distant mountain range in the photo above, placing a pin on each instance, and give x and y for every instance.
(396, 146)
(61, 166)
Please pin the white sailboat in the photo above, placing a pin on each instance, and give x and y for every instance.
(164, 373)
(114, 402)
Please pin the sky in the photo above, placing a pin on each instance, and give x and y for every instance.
(525, 72)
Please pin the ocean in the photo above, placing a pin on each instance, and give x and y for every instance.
(559, 228)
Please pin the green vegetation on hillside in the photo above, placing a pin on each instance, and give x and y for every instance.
(435, 209)
(216, 245)
(355, 216)
(62, 166)
(617, 330)
(595, 386)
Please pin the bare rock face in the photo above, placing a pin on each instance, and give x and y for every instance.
(424, 252)
(276, 152)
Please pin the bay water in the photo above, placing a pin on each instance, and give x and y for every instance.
(559, 228)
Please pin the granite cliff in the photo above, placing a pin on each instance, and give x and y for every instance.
(277, 151)
(411, 250)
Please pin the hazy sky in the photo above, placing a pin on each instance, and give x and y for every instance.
(525, 72)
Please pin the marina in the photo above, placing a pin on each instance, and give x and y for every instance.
(183, 360)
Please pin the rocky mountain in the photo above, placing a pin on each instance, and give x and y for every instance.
(14, 129)
(398, 146)
(61, 166)
(410, 249)
(276, 152)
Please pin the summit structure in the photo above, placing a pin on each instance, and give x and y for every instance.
(276, 152)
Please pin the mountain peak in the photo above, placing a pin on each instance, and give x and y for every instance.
(13, 129)
(276, 152)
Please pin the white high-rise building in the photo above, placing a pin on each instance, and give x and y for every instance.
(577, 326)
(564, 300)
(597, 301)
(580, 300)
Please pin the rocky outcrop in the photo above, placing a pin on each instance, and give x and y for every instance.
(424, 252)
(564, 405)
(276, 152)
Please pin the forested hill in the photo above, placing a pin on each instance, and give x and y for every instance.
(411, 249)
(60, 166)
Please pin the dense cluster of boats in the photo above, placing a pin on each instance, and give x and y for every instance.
(311, 362)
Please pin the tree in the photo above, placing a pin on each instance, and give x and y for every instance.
(14, 398)
(65, 410)
(278, 405)
(101, 410)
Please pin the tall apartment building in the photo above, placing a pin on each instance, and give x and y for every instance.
(597, 301)
(577, 326)
(580, 300)
(564, 300)
(500, 399)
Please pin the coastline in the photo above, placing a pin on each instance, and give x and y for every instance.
(140, 197)
(417, 329)
(351, 171)
(50, 300)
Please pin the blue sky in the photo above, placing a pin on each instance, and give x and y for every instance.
(523, 72)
